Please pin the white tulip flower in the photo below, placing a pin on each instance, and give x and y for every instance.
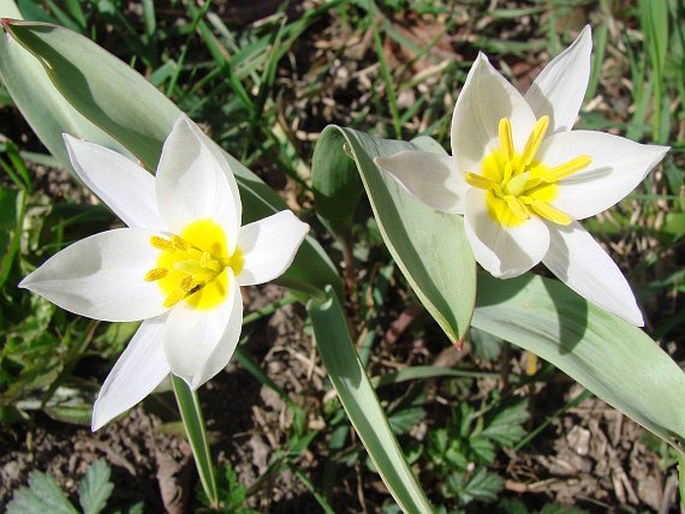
(177, 267)
(522, 178)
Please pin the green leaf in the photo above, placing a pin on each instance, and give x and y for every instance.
(191, 414)
(12, 206)
(440, 269)
(133, 115)
(348, 376)
(615, 360)
(681, 479)
(483, 448)
(95, 487)
(46, 110)
(504, 425)
(403, 420)
(481, 486)
(43, 495)
(512, 506)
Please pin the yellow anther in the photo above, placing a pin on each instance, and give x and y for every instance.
(517, 207)
(190, 266)
(174, 297)
(478, 181)
(545, 210)
(534, 141)
(162, 244)
(506, 141)
(179, 243)
(187, 283)
(568, 168)
(156, 274)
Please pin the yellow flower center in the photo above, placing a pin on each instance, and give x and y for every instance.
(516, 184)
(192, 266)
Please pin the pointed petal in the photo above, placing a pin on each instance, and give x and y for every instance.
(121, 184)
(559, 90)
(504, 252)
(199, 343)
(578, 261)
(432, 178)
(486, 98)
(102, 277)
(192, 183)
(139, 370)
(269, 247)
(617, 166)
(221, 356)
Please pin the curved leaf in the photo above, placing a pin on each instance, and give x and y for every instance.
(615, 360)
(40, 103)
(120, 102)
(348, 376)
(430, 247)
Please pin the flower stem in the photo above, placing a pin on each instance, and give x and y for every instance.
(191, 414)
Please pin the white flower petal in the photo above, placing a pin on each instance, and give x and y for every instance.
(121, 184)
(432, 178)
(618, 166)
(486, 98)
(102, 277)
(193, 336)
(138, 371)
(269, 247)
(578, 261)
(192, 184)
(504, 252)
(559, 90)
(221, 356)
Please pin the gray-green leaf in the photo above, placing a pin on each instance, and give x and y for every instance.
(95, 487)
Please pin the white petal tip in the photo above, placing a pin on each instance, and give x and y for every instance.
(632, 316)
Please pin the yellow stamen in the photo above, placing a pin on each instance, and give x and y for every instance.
(162, 244)
(506, 141)
(191, 266)
(517, 207)
(569, 168)
(534, 141)
(174, 297)
(179, 243)
(187, 283)
(478, 181)
(508, 171)
(209, 262)
(548, 212)
(156, 274)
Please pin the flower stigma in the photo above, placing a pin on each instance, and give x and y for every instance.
(192, 266)
(517, 185)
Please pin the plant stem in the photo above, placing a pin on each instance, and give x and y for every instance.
(191, 414)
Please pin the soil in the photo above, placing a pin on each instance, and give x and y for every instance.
(591, 456)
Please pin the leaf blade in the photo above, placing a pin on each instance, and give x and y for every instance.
(348, 376)
(441, 270)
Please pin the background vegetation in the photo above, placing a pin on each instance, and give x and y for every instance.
(485, 426)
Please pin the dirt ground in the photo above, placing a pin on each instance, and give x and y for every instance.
(592, 456)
